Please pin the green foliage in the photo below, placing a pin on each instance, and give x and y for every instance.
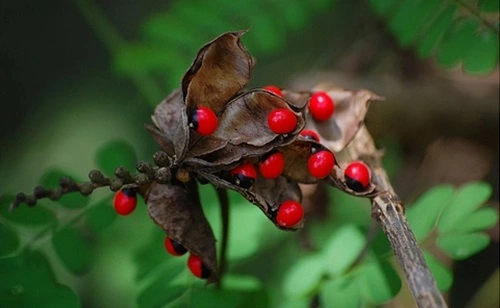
(451, 31)
(27, 277)
(28, 281)
(166, 52)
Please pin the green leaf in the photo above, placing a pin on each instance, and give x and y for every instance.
(205, 297)
(342, 249)
(161, 291)
(341, 292)
(72, 250)
(423, 214)
(442, 275)
(378, 282)
(151, 256)
(488, 6)
(482, 57)
(116, 153)
(50, 179)
(28, 281)
(304, 276)
(383, 7)
(407, 29)
(30, 216)
(480, 220)
(9, 239)
(100, 216)
(468, 198)
(462, 246)
(435, 31)
(457, 42)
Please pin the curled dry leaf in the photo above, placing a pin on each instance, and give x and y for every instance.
(179, 213)
(171, 129)
(350, 111)
(267, 194)
(220, 70)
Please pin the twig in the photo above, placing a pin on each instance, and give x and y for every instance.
(388, 210)
(224, 208)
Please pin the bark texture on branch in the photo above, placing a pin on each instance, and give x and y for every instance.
(388, 210)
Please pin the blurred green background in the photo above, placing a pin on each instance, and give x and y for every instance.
(76, 75)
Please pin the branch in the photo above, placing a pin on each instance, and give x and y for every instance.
(388, 210)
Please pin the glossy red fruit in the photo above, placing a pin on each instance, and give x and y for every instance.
(282, 121)
(310, 134)
(357, 176)
(125, 201)
(272, 165)
(274, 89)
(244, 175)
(321, 163)
(203, 120)
(290, 214)
(321, 106)
(173, 247)
(196, 266)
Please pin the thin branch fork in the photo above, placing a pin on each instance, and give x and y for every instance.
(388, 210)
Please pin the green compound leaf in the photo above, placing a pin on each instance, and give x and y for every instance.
(342, 249)
(442, 275)
(436, 31)
(407, 30)
(423, 214)
(28, 281)
(378, 282)
(342, 293)
(116, 153)
(151, 256)
(205, 297)
(9, 239)
(462, 246)
(489, 6)
(482, 219)
(72, 250)
(304, 276)
(454, 32)
(50, 179)
(161, 291)
(457, 42)
(467, 199)
(100, 216)
(30, 216)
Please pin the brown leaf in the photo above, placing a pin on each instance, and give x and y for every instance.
(170, 119)
(177, 210)
(267, 194)
(220, 70)
(296, 157)
(350, 110)
(243, 131)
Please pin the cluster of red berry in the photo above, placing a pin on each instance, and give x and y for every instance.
(281, 121)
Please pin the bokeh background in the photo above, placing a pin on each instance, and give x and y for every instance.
(76, 75)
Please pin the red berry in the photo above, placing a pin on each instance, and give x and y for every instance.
(290, 213)
(272, 166)
(321, 163)
(274, 89)
(125, 201)
(196, 266)
(282, 121)
(203, 120)
(321, 106)
(174, 248)
(357, 176)
(244, 175)
(310, 134)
